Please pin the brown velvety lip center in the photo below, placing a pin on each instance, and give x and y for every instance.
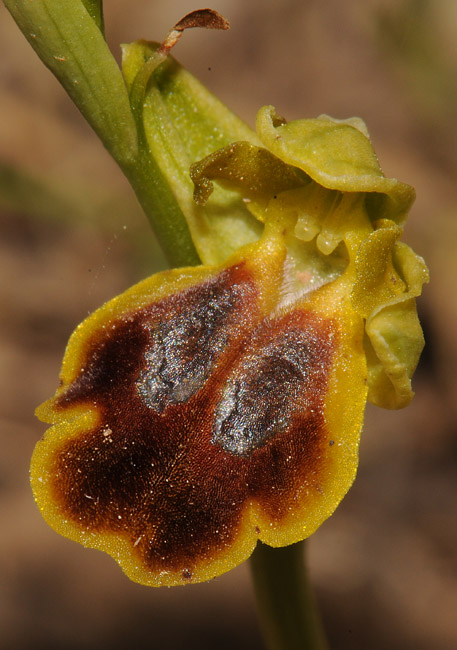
(162, 469)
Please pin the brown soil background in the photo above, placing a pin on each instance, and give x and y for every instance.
(385, 565)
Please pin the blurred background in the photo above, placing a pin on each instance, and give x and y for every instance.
(71, 236)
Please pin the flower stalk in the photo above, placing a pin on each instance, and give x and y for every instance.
(287, 608)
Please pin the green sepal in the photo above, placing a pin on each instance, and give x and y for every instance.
(338, 155)
(183, 122)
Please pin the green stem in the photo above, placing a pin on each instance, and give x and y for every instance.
(287, 609)
(162, 210)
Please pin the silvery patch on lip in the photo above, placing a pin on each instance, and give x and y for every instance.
(261, 395)
(185, 346)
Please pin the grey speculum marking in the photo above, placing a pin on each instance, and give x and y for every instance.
(259, 400)
(185, 346)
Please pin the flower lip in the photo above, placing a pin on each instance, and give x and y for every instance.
(103, 476)
(145, 475)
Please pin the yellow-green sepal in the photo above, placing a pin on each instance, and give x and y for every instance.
(183, 122)
(338, 155)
